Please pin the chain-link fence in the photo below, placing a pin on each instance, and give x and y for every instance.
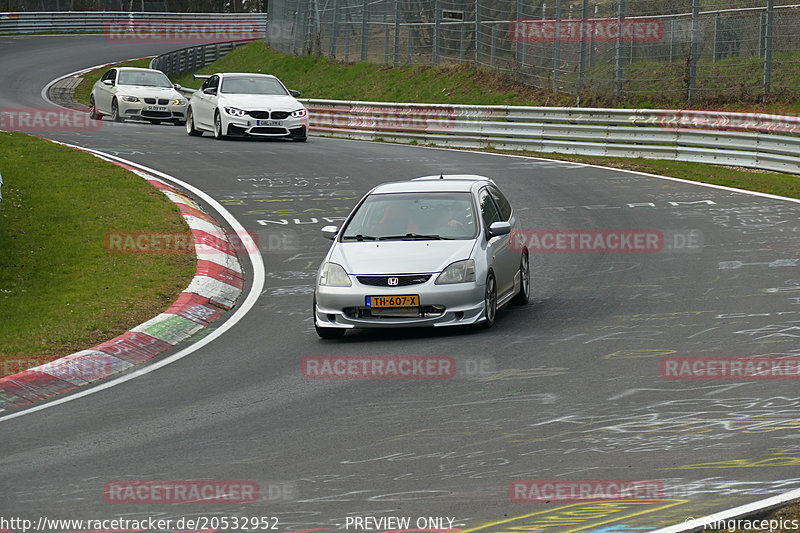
(598, 50)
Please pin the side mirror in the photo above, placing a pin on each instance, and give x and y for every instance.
(499, 228)
(110, 83)
(177, 87)
(210, 90)
(329, 232)
(295, 94)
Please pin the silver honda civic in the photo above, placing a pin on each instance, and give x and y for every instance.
(432, 251)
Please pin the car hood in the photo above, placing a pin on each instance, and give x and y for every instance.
(399, 257)
(149, 92)
(260, 102)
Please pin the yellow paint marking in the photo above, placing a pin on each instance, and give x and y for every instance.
(789, 457)
(581, 514)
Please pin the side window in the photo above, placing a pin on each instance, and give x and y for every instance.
(502, 202)
(110, 75)
(489, 210)
(213, 81)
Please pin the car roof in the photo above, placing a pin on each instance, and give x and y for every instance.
(259, 74)
(140, 69)
(440, 183)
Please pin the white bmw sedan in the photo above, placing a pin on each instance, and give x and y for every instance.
(137, 93)
(242, 104)
(433, 251)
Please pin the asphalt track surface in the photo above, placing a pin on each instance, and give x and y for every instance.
(575, 389)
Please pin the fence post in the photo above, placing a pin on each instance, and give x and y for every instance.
(557, 47)
(437, 30)
(693, 52)
(334, 30)
(716, 38)
(396, 58)
(364, 30)
(410, 42)
(518, 45)
(768, 48)
(582, 68)
(494, 44)
(462, 43)
(385, 41)
(477, 32)
(618, 58)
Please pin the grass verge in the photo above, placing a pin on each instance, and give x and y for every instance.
(60, 291)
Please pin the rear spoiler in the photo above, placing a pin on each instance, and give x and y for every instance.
(201, 76)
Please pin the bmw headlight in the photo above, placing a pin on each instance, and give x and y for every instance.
(333, 275)
(178, 101)
(299, 113)
(235, 112)
(458, 272)
(129, 99)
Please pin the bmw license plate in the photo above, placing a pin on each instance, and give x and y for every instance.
(408, 300)
(269, 123)
(156, 108)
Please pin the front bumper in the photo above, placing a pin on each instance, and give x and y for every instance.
(293, 127)
(440, 305)
(143, 111)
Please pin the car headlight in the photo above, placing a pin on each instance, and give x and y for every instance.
(299, 113)
(129, 99)
(233, 111)
(333, 275)
(178, 101)
(458, 272)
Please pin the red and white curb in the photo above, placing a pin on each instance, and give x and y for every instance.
(217, 284)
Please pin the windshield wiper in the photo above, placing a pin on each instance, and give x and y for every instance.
(360, 237)
(415, 236)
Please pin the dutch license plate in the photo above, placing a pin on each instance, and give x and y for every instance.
(408, 300)
(269, 123)
(156, 108)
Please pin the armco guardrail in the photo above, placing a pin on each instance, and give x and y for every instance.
(738, 139)
(96, 21)
(193, 58)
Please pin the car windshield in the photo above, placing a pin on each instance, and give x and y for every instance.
(401, 216)
(255, 85)
(143, 79)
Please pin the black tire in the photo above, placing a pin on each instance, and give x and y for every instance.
(218, 133)
(115, 116)
(326, 333)
(190, 129)
(94, 114)
(490, 301)
(524, 294)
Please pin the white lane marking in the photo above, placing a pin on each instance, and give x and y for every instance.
(255, 290)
